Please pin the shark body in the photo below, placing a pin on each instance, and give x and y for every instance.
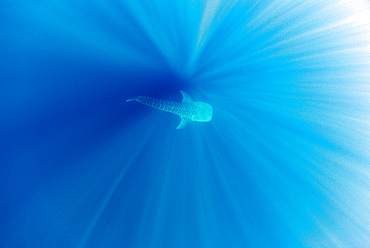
(188, 110)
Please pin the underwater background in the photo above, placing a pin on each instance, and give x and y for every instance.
(284, 162)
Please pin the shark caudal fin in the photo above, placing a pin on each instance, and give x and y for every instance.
(184, 121)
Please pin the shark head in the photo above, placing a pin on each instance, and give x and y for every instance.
(203, 112)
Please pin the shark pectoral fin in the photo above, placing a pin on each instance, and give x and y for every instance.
(185, 97)
(184, 121)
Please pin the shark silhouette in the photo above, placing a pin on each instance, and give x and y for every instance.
(188, 110)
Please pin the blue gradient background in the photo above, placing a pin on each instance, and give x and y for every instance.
(284, 162)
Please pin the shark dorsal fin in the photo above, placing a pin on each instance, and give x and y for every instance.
(184, 121)
(185, 97)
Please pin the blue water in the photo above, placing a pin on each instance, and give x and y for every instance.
(284, 162)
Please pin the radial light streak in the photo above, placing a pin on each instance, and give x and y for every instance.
(283, 163)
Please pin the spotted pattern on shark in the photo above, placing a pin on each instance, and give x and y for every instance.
(188, 110)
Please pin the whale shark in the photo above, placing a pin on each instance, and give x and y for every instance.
(188, 110)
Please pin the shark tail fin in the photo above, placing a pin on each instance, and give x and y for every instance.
(184, 121)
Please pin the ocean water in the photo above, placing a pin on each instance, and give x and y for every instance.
(283, 163)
